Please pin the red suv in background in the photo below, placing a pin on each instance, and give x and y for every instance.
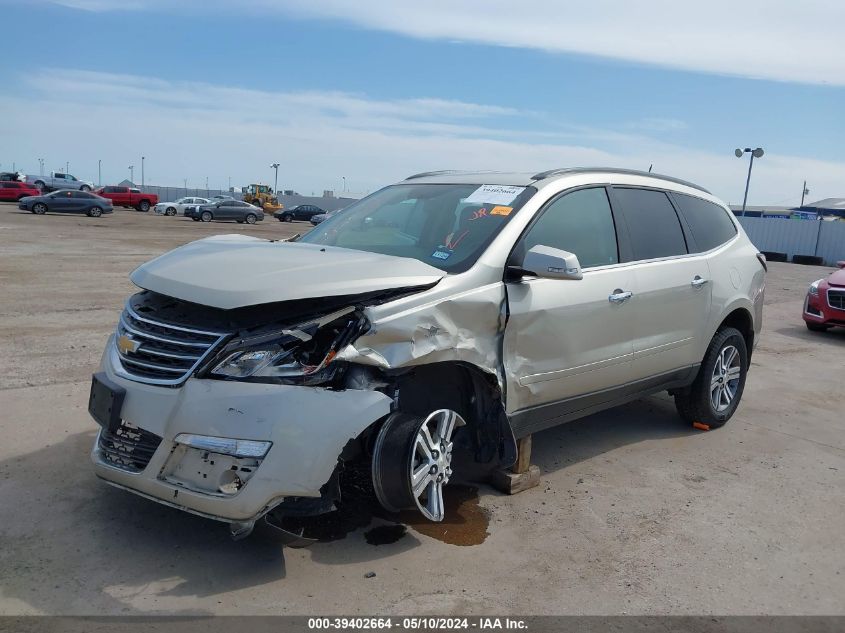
(824, 306)
(13, 190)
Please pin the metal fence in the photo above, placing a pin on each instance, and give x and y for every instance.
(798, 237)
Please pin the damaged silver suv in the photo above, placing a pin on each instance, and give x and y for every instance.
(421, 330)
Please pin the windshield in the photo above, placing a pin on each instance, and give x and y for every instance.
(447, 226)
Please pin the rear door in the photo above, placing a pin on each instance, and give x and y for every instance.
(567, 343)
(671, 307)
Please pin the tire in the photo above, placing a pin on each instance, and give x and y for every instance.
(85, 188)
(39, 184)
(39, 208)
(206, 216)
(410, 466)
(696, 404)
(250, 218)
(144, 206)
(816, 327)
(94, 212)
(287, 218)
(170, 211)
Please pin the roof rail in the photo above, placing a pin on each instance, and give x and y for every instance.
(614, 170)
(441, 172)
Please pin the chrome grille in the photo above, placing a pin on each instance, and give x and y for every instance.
(129, 447)
(836, 299)
(160, 353)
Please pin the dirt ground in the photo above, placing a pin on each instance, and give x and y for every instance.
(636, 512)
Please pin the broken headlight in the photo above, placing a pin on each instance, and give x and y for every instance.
(301, 355)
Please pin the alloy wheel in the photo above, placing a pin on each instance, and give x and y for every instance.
(725, 378)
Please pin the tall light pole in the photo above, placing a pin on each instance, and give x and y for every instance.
(804, 192)
(755, 153)
(344, 183)
(100, 172)
(132, 174)
(276, 181)
(142, 171)
(41, 167)
(67, 167)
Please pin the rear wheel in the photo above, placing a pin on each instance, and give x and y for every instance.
(412, 461)
(85, 188)
(144, 206)
(39, 184)
(39, 208)
(170, 211)
(251, 218)
(95, 212)
(817, 327)
(715, 394)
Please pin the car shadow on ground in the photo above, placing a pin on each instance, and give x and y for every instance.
(119, 544)
(833, 336)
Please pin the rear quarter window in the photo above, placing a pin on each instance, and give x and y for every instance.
(709, 223)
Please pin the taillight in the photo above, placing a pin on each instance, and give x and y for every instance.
(762, 259)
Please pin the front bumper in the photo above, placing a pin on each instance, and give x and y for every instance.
(308, 428)
(817, 309)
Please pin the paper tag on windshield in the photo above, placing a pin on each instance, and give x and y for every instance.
(495, 194)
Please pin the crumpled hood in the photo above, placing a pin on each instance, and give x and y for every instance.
(234, 271)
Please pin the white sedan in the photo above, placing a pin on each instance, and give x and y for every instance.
(178, 207)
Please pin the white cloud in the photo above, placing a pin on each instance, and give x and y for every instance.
(782, 40)
(193, 130)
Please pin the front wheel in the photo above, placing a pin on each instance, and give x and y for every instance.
(715, 394)
(143, 206)
(95, 212)
(206, 216)
(412, 461)
(170, 211)
(39, 208)
(251, 218)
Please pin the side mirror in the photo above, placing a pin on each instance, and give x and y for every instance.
(552, 263)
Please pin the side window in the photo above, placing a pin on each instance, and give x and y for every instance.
(579, 222)
(710, 224)
(59, 176)
(653, 225)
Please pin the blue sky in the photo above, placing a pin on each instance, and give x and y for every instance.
(373, 93)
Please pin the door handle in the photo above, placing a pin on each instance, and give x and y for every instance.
(697, 282)
(620, 296)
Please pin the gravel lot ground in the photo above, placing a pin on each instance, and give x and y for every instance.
(636, 513)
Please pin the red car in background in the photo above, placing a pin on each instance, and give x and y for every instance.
(824, 306)
(128, 197)
(14, 191)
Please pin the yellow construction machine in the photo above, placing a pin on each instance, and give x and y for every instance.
(262, 196)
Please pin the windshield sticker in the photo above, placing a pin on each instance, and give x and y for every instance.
(501, 210)
(441, 254)
(495, 194)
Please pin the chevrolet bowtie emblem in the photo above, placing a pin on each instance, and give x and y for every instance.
(127, 344)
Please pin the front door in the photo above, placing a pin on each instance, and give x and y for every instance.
(569, 342)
